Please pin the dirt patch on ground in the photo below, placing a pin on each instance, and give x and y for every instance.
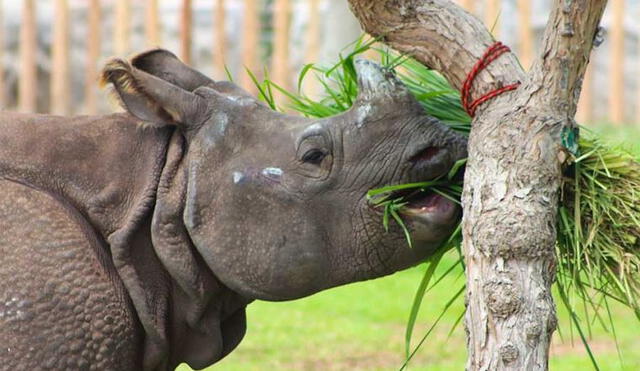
(366, 361)
(575, 347)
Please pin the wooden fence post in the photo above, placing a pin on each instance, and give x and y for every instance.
(525, 33)
(185, 31)
(151, 25)
(93, 54)
(122, 28)
(59, 88)
(3, 88)
(313, 32)
(280, 70)
(469, 5)
(312, 51)
(27, 83)
(250, 44)
(220, 37)
(492, 16)
(616, 69)
(638, 91)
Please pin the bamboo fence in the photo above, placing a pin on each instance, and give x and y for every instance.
(280, 69)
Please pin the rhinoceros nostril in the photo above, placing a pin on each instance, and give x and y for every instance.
(425, 154)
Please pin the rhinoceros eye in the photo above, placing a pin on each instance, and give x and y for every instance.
(314, 156)
(314, 152)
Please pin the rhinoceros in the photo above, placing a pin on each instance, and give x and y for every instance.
(136, 240)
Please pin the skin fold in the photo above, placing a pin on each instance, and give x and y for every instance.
(136, 240)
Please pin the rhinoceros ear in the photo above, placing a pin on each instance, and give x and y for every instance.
(166, 66)
(151, 99)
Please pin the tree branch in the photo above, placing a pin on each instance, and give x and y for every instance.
(440, 35)
(567, 44)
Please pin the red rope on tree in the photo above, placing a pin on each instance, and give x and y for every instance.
(494, 51)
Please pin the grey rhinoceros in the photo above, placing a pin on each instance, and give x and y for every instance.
(136, 240)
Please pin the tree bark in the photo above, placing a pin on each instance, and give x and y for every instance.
(515, 163)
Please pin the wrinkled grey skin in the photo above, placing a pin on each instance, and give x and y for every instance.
(136, 240)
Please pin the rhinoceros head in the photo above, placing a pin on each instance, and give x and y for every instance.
(277, 204)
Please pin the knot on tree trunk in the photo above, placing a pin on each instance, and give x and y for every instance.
(508, 353)
(503, 299)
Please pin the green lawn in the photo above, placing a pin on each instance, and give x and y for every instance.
(361, 326)
(628, 135)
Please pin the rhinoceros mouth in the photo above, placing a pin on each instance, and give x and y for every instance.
(426, 206)
(430, 207)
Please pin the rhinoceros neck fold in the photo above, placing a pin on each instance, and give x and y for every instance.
(207, 319)
(186, 313)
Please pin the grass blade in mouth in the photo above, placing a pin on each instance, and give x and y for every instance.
(400, 187)
(385, 197)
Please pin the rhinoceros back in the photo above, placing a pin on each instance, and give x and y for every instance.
(60, 307)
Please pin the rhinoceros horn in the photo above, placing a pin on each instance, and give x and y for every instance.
(379, 84)
(381, 93)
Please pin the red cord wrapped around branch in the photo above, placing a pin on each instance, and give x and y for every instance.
(492, 53)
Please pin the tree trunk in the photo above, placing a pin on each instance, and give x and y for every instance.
(513, 174)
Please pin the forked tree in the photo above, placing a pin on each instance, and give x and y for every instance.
(522, 126)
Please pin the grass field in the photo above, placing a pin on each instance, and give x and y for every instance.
(361, 326)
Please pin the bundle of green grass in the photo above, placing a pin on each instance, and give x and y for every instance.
(598, 247)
